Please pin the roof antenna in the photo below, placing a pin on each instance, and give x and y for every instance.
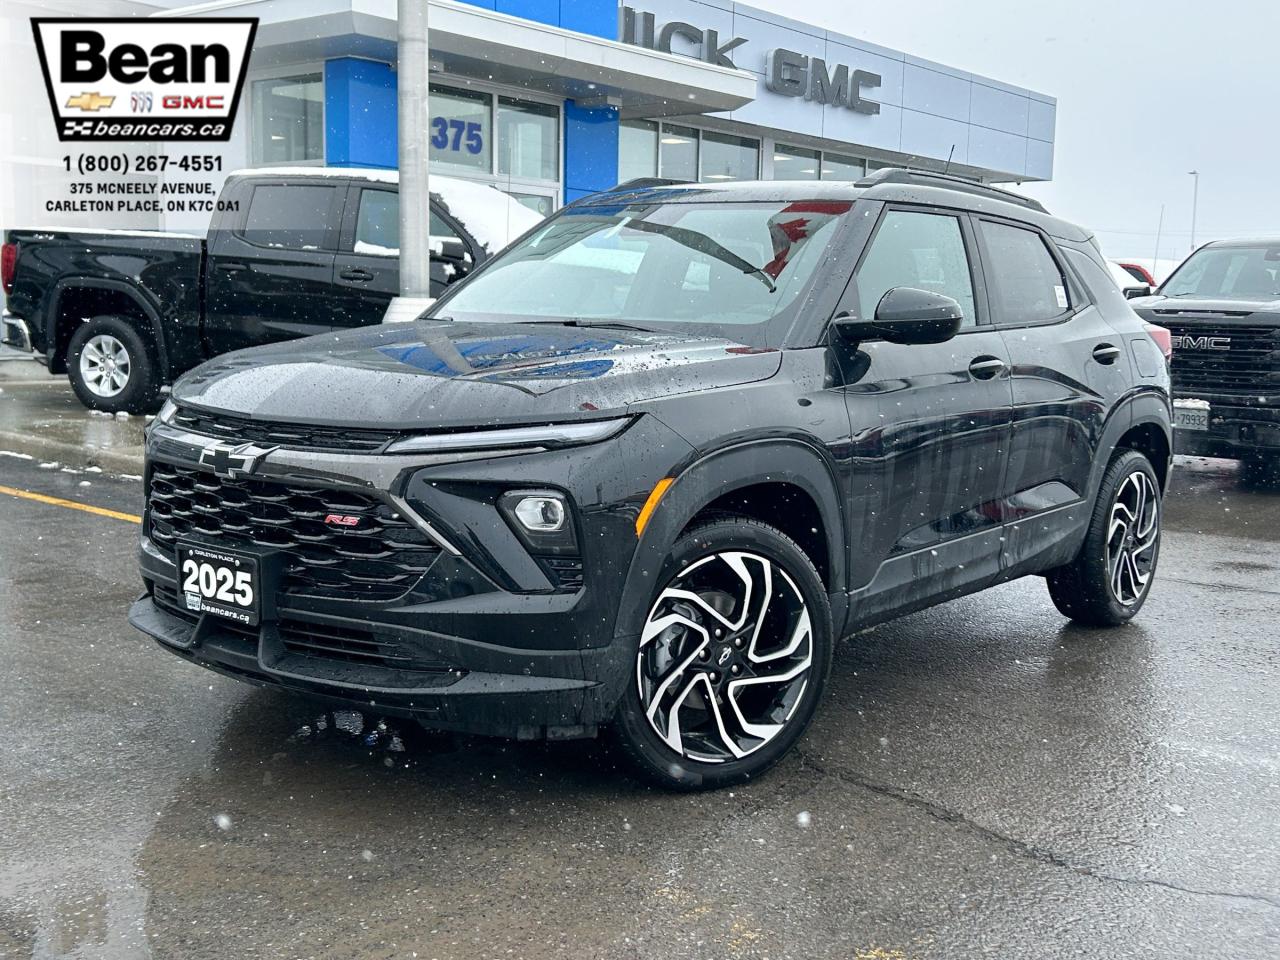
(947, 168)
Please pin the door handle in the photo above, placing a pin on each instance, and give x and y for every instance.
(232, 267)
(355, 273)
(986, 368)
(1106, 353)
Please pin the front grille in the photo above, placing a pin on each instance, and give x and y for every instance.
(1249, 366)
(299, 436)
(380, 558)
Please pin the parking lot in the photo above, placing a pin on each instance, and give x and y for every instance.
(982, 780)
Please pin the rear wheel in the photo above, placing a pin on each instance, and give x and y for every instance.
(111, 368)
(732, 658)
(1108, 582)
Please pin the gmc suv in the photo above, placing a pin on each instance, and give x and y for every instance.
(645, 467)
(1222, 307)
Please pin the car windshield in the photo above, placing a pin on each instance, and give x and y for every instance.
(1234, 272)
(716, 267)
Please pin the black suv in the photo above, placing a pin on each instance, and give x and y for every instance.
(644, 468)
(1222, 308)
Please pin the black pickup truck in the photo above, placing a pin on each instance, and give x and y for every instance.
(1222, 308)
(288, 254)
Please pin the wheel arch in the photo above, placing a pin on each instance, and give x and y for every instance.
(1141, 422)
(61, 326)
(709, 485)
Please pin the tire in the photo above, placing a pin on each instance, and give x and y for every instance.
(1100, 587)
(1261, 470)
(111, 367)
(716, 569)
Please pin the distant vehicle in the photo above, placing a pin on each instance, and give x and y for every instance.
(1222, 307)
(648, 465)
(1138, 272)
(291, 252)
(1130, 284)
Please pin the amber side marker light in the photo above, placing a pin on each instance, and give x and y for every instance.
(651, 504)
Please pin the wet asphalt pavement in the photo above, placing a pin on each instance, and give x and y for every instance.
(983, 780)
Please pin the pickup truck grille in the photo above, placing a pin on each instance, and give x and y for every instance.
(380, 557)
(299, 436)
(1212, 357)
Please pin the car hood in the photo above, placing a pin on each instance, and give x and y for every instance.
(444, 374)
(1154, 307)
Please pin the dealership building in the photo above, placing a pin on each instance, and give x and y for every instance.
(553, 99)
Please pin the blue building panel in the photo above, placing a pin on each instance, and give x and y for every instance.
(596, 17)
(539, 11)
(590, 150)
(360, 114)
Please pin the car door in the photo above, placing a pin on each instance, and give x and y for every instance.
(270, 277)
(1068, 369)
(366, 271)
(930, 424)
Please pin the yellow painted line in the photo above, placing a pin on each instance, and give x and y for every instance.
(59, 502)
(651, 504)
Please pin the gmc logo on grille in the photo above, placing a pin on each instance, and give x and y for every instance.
(342, 520)
(1188, 342)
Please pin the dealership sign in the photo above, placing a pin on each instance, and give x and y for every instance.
(786, 72)
(147, 79)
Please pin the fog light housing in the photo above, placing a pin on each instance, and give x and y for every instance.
(542, 520)
(540, 513)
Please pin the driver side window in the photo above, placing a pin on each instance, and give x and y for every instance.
(921, 250)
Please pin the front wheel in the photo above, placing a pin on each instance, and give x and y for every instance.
(732, 658)
(1108, 582)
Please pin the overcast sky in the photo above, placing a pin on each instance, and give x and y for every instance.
(1146, 91)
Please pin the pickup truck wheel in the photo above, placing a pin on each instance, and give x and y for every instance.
(731, 660)
(1108, 582)
(111, 367)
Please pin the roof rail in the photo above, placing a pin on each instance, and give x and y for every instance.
(921, 178)
(640, 183)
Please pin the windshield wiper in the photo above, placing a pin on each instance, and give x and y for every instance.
(606, 324)
(703, 244)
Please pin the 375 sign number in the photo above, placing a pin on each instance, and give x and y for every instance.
(456, 135)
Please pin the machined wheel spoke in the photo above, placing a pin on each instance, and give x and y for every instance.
(1132, 536)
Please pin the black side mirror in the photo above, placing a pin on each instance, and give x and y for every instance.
(1133, 293)
(906, 315)
(451, 249)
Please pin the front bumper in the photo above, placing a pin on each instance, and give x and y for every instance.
(485, 642)
(1235, 431)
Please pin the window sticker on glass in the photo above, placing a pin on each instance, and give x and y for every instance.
(1060, 292)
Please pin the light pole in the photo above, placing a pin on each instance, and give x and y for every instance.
(1195, 202)
(414, 122)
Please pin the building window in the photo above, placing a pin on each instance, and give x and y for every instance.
(288, 119)
(795, 163)
(528, 139)
(461, 129)
(637, 150)
(678, 157)
(726, 157)
(836, 167)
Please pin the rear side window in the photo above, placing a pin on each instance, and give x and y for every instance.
(292, 217)
(921, 250)
(1027, 283)
(378, 224)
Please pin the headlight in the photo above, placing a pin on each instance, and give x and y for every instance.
(167, 412)
(554, 435)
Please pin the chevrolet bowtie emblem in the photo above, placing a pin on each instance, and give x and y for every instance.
(233, 462)
(91, 102)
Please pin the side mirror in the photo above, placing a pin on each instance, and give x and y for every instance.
(451, 249)
(1133, 293)
(906, 315)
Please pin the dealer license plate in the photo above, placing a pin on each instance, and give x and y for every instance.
(1191, 418)
(223, 584)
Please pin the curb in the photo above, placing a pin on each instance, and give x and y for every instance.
(71, 454)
